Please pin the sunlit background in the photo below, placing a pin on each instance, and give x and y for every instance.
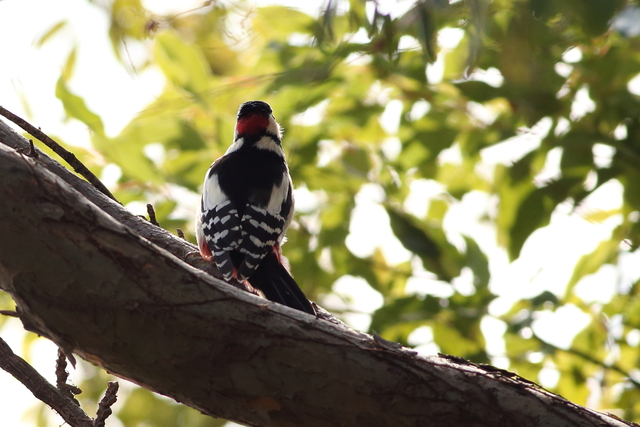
(118, 90)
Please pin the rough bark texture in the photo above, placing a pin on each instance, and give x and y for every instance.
(97, 288)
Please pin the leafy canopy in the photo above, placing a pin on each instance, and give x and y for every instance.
(507, 70)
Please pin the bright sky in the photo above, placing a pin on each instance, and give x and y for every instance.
(27, 84)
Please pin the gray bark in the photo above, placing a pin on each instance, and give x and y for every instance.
(113, 289)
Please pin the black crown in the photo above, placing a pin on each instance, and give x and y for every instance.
(254, 107)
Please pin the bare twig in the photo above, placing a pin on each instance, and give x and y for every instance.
(41, 388)
(590, 358)
(61, 378)
(31, 152)
(11, 313)
(61, 370)
(68, 157)
(152, 215)
(180, 234)
(104, 408)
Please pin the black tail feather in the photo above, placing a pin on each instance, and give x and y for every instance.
(277, 285)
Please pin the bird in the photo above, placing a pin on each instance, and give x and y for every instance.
(246, 207)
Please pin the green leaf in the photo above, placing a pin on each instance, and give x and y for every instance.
(409, 309)
(188, 168)
(599, 216)
(183, 63)
(429, 243)
(297, 22)
(631, 181)
(478, 91)
(413, 237)
(577, 156)
(128, 19)
(595, 15)
(67, 71)
(478, 263)
(357, 160)
(129, 156)
(127, 149)
(76, 108)
(424, 15)
(452, 341)
(518, 347)
(460, 179)
(532, 214)
(606, 253)
(50, 33)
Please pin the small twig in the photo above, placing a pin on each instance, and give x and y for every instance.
(104, 408)
(68, 157)
(180, 234)
(31, 152)
(9, 313)
(61, 370)
(61, 378)
(152, 215)
(590, 358)
(41, 388)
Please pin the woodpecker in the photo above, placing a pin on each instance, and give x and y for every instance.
(247, 206)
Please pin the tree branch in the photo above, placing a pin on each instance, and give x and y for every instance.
(41, 388)
(96, 287)
(152, 215)
(67, 390)
(68, 157)
(9, 313)
(104, 408)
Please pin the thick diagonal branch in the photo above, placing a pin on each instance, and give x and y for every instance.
(99, 289)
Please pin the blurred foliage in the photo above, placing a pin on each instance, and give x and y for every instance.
(329, 79)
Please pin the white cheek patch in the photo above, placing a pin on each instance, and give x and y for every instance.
(274, 127)
(268, 143)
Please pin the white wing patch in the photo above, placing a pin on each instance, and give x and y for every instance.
(279, 194)
(212, 195)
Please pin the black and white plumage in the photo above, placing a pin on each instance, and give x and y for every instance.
(247, 206)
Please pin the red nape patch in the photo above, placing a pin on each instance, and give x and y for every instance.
(252, 125)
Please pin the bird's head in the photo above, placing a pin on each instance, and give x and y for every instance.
(255, 119)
